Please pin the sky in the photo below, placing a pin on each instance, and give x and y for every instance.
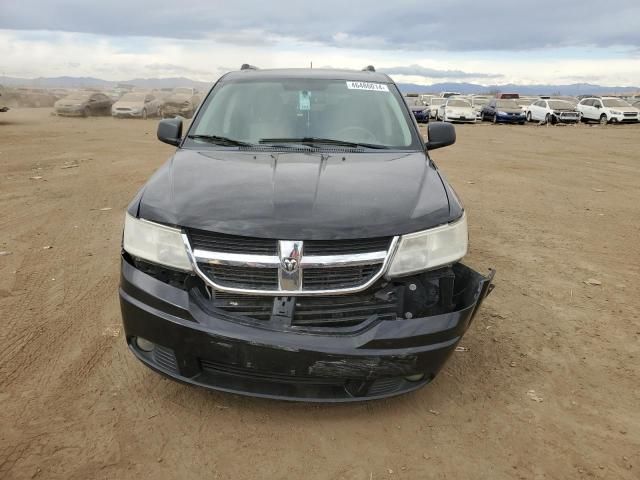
(487, 42)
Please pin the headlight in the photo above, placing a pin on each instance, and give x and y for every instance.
(430, 248)
(155, 243)
(616, 112)
(502, 113)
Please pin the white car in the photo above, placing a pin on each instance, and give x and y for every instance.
(552, 111)
(477, 102)
(608, 110)
(456, 109)
(136, 105)
(434, 105)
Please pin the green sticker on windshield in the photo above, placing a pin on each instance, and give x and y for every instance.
(304, 100)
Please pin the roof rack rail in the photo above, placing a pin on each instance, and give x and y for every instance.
(246, 66)
(369, 68)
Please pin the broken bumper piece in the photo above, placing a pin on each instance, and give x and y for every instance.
(176, 332)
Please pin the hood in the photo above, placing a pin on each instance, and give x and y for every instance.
(296, 195)
(178, 98)
(130, 104)
(67, 102)
(509, 110)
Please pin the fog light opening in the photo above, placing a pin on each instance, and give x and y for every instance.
(414, 378)
(144, 344)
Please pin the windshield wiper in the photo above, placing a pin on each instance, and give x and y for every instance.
(221, 140)
(318, 140)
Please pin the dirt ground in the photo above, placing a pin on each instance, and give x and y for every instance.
(548, 388)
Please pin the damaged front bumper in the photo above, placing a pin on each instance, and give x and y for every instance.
(181, 333)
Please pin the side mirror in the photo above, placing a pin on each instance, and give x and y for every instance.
(597, 105)
(441, 134)
(170, 131)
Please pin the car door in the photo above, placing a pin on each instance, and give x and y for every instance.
(587, 108)
(150, 105)
(597, 109)
(490, 109)
(534, 109)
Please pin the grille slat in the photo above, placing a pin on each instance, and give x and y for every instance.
(346, 247)
(338, 277)
(220, 242)
(242, 277)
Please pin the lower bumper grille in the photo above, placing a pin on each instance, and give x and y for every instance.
(331, 311)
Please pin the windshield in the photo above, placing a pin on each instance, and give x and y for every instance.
(614, 102)
(560, 105)
(183, 91)
(133, 97)
(458, 103)
(507, 104)
(288, 109)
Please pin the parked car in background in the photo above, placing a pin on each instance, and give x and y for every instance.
(607, 110)
(478, 102)
(552, 111)
(503, 111)
(566, 98)
(448, 94)
(426, 99)
(84, 104)
(421, 113)
(505, 96)
(456, 109)
(3, 108)
(183, 102)
(435, 104)
(524, 102)
(136, 105)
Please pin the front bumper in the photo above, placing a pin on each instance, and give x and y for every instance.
(211, 348)
(69, 112)
(624, 119)
(126, 114)
(458, 119)
(511, 118)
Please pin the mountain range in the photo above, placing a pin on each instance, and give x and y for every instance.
(150, 83)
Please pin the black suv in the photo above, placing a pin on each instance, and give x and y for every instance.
(300, 244)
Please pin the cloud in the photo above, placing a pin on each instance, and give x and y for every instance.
(460, 25)
(419, 71)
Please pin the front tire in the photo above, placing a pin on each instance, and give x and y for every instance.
(603, 119)
(495, 119)
(529, 119)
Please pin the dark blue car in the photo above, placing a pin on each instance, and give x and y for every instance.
(422, 113)
(502, 110)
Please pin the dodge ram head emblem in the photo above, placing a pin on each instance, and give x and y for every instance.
(289, 264)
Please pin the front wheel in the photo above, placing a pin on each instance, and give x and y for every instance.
(495, 118)
(603, 119)
(529, 119)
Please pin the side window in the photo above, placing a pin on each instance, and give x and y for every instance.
(588, 103)
(597, 103)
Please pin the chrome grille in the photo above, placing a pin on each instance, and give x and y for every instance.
(288, 267)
